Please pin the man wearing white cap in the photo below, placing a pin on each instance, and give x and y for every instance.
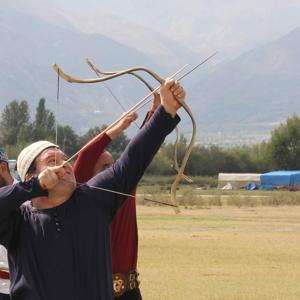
(59, 243)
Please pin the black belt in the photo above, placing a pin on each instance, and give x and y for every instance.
(123, 282)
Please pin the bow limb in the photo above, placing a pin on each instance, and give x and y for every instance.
(185, 159)
(72, 79)
(193, 139)
(98, 71)
(137, 106)
(176, 165)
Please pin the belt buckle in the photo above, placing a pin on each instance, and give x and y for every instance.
(132, 277)
(133, 281)
(119, 284)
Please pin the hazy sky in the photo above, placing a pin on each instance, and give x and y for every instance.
(232, 26)
(235, 25)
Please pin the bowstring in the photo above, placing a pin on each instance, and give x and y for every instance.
(113, 94)
(119, 193)
(57, 109)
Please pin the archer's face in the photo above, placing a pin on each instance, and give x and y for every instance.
(55, 157)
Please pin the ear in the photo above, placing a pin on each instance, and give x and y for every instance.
(28, 176)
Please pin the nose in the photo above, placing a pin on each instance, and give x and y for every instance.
(66, 165)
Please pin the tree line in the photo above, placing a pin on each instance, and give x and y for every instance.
(17, 130)
(282, 151)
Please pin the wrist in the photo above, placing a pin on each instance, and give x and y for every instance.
(114, 132)
(170, 110)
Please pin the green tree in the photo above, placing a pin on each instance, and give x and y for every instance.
(115, 148)
(25, 134)
(14, 118)
(160, 165)
(67, 139)
(260, 157)
(44, 123)
(284, 146)
(91, 133)
(240, 159)
(199, 162)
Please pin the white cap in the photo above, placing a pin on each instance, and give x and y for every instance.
(29, 154)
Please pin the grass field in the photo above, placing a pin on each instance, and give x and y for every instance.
(199, 194)
(220, 253)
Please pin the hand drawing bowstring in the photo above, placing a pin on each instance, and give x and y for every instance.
(137, 106)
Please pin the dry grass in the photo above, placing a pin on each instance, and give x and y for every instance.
(222, 253)
(195, 197)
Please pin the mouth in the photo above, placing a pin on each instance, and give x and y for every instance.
(68, 176)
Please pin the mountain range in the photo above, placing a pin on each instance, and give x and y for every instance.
(254, 92)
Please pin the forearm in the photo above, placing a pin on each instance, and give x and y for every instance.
(123, 124)
(114, 131)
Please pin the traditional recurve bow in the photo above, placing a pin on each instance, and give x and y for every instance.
(100, 72)
(180, 174)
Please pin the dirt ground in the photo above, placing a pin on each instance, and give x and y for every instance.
(220, 253)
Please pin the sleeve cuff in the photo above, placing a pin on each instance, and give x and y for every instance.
(37, 190)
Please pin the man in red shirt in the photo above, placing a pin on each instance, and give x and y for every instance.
(124, 232)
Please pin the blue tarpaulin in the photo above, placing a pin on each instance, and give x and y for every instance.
(272, 180)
